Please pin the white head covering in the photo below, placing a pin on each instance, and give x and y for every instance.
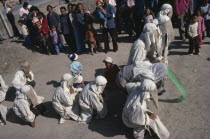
(149, 27)
(100, 81)
(78, 79)
(155, 21)
(155, 72)
(67, 80)
(148, 36)
(148, 85)
(163, 19)
(108, 59)
(166, 9)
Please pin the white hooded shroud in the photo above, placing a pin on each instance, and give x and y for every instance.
(3, 91)
(66, 104)
(22, 108)
(135, 114)
(20, 80)
(90, 101)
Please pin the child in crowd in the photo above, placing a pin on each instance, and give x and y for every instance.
(55, 39)
(201, 27)
(101, 13)
(90, 37)
(25, 33)
(148, 17)
(75, 66)
(205, 10)
(193, 36)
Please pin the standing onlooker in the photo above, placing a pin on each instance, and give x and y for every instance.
(90, 37)
(205, 10)
(109, 15)
(8, 9)
(25, 33)
(201, 27)
(80, 30)
(193, 36)
(24, 9)
(55, 39)
(101, 14)
(44, 32)
(181, 8)
(138, 14)
(72, 25)
(52, 17)
(65, 26)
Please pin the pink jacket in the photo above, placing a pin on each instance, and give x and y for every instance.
(181, 6)
(201, 25)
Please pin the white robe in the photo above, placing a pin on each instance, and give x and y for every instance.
(90, 101)
(135, 115)
(3, 91)
(66, 104)
(167, 35)
(137, 53)
(22, 108)
(20, 79)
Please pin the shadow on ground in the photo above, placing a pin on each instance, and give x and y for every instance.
(13, 118)
(176, 100)
(54, 83)
(112, 125)
(10, 96)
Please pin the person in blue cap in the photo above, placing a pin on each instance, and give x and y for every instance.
(75, 66)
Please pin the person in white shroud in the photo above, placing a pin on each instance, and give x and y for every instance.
(140, 110)
(3, 109)
(28, 105)
(24, 76)
(91, 100)
(65, 99)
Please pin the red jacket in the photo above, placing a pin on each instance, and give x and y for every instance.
(181, 6)
(44, 27)
(111, 74)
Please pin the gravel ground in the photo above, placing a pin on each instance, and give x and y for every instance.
(185, 120)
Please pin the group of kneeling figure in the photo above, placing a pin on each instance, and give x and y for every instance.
(141, 80)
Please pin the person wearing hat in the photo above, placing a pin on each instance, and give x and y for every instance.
(91, 101)
(75, 66)
(110, 72)
(65, 99)
(100, 11)
(23, 76)
(3, 109)
(28, 105)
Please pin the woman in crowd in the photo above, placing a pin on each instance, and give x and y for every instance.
(8, 8)
(52, 17)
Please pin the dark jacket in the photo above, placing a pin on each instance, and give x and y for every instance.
(53, 19)
(80, 20)
(110, 16)
(64, 24)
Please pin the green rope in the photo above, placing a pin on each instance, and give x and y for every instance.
(177, 83)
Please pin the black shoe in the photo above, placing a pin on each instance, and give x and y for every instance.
(161, 92)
